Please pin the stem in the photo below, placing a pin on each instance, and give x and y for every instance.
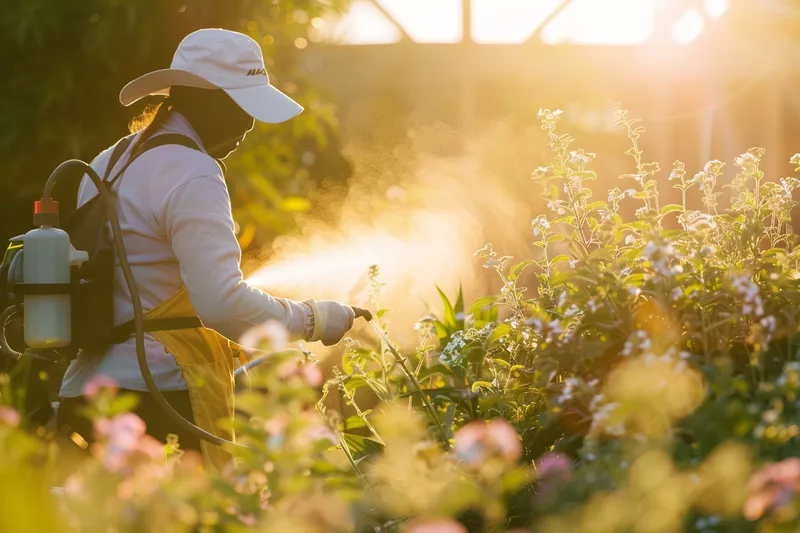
(351, 397)
(401, 361)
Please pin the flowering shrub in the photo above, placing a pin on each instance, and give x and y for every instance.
(647, 381)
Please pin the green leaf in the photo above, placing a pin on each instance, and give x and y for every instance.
(352, 422)
(500, 331)
(671, 208)
(361, 447)
(477, 307)
(595, 205)
(560, 259)
(585, 174)
(517, 269)
(515, 480)
(449, 312)
(478, 385)
(459, 307)
(123, 403)
(353, 383)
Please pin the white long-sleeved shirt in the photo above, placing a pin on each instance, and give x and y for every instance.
(175, 215)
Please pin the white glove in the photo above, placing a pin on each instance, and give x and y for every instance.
(332, 321)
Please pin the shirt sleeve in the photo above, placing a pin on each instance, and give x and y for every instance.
(199, 225)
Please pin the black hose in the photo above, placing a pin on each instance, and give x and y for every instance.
(138, 314)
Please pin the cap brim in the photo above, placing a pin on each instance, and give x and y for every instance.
(159, 83)
(265, 103)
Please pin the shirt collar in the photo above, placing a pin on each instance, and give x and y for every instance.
(177, 123)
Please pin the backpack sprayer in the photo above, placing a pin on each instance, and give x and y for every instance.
(66, 295)
(50, 277)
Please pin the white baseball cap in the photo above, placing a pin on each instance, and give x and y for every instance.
(219, 59)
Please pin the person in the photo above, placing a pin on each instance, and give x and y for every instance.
(175, 213)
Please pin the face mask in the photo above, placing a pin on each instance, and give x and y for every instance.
(224, 148)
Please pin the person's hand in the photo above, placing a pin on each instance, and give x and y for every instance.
(332, 321)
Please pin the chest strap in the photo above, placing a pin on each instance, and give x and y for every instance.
(124, 331)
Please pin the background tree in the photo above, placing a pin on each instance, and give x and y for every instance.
(64, 62)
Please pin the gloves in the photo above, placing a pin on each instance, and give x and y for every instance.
(332, 321)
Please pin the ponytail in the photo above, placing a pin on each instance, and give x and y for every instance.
(150, 120)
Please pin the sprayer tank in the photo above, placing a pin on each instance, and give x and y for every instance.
(46, 259)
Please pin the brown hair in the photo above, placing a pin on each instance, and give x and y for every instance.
(153, 116)
(145, 118)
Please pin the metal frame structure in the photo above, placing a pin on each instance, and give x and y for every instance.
(678, 90)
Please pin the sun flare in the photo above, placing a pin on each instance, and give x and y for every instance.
(584, 22)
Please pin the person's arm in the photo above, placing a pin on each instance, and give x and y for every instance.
(198, 223)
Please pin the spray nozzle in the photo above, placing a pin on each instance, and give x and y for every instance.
(362, 313)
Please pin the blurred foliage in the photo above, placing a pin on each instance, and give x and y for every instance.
(66, 60)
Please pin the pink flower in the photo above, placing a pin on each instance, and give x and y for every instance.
(308, 372)
(553, 465)
(477, 441)
(433, 525)
(92, 387)
(9, 416)
(248, 519)
(774, 486)
(119, 437)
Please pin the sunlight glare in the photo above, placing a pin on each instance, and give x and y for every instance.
(611, 22)
(427, 21)
(689, 27)
(362, 24)
(508, 21)
(716, 8)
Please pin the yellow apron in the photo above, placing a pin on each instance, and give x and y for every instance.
(206, 361)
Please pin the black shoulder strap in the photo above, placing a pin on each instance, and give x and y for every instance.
(119, 149)
(124, 331)
(155, 142)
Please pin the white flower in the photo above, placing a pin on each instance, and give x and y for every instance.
(451, 354)
(707, 250)
(677, 292)
(634, 291)
(629, 239)
(425, 324)
(769, 323)
(641, 212)
(714, 167)
(615, 195)
(579, 159)
(562, 299)
(746, 160)
(540, 225)
(650, 250)
(627, 349)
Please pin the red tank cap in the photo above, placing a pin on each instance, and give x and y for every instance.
(49, 207)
